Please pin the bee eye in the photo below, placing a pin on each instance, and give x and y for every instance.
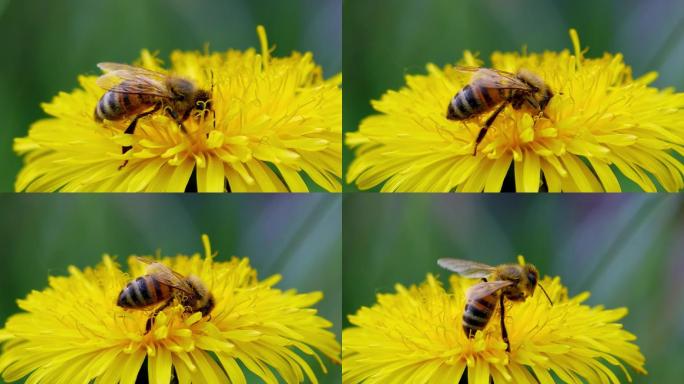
(532, 278)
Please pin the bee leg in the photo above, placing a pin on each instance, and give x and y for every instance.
(178, 119)
(150, 320)
(487, 124)
(182, 127)
(148, 324)
(131, 129)
(532, 102)
(504, 332)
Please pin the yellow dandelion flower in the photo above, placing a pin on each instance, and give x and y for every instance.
(275, 120)
(73, 332)
(415, 336)
(600, 122)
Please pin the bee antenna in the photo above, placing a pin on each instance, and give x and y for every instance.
(546, 294)
(213, 109)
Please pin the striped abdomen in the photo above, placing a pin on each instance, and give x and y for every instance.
(143, 292)
(473, 100)
(477, 314)
(119, 105)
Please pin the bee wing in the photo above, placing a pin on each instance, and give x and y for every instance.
(465, 68)
(466, 268)
(166, 275)
(129, 79)
(131, 72)
(493, 78)
(486, 288)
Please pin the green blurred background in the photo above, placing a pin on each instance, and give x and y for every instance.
(627, 250)
(47, 44)
(383, 41)
(298, 236)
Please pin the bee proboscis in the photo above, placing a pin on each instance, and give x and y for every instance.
(514, 282)
(139, 92)
(490, 88)
(161, 284)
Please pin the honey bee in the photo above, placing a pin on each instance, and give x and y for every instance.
(139, 92)
(511, 281)
(161, 284)
(490, 88)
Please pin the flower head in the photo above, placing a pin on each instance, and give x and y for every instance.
(415, 336)
(73, 331)
(274, 120)
(600, 121)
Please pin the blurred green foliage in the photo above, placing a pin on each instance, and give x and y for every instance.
(47, 44)
(627, 250)
(298, 236)
(383, 41)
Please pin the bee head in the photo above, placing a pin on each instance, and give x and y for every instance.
(203, 100)
(532, 277)
(202, 105)
(542, 92)
(203, 300)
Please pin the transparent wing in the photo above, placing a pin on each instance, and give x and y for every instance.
(464, 68)
(130, 72)
(466, 268)
(493, 78)
(166, 275)
(129, 79)
(486, 288)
